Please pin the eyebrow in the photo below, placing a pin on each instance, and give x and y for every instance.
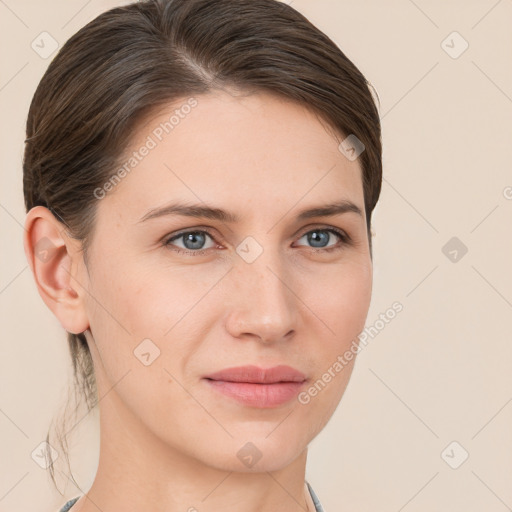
(210, 212)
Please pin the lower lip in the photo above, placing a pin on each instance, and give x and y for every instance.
(258, 395)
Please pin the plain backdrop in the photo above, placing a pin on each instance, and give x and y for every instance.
(425, 423)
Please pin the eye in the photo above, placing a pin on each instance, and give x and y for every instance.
(193, 241)
(320, 237)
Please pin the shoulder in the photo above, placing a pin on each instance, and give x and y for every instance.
(69, 504)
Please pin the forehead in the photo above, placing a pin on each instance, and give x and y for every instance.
(255, 150)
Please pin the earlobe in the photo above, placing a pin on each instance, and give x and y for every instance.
(55, 262)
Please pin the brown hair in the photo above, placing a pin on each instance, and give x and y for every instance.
(131, 60)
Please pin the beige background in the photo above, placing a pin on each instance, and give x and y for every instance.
(440, 370)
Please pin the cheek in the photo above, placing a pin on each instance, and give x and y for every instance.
(142, 316)
(339, 301)
(146, 300)
(340, 298)
(131, 308)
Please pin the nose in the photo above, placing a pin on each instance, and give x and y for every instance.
(263, 303)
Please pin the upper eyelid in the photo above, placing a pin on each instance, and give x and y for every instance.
(199, 229)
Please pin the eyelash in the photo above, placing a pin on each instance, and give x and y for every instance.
(344, 240)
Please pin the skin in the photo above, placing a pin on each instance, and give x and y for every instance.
(168, 441)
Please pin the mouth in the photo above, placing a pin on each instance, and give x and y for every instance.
(258, 387)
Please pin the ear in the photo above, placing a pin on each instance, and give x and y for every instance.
(57, 266)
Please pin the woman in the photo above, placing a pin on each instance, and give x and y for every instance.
(199, 177)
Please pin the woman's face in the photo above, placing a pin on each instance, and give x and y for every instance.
(269, 288)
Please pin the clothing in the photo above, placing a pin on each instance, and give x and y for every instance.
(316, 501)
(69, 504)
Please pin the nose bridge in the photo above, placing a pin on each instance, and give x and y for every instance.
(265, 304)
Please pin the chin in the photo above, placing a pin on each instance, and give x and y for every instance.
(256, 453)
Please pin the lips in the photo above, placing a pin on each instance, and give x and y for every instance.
(258, 387)
(256, 375)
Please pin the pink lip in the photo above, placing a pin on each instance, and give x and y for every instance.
(258, 387)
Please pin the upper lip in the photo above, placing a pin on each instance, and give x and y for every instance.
(255, 374)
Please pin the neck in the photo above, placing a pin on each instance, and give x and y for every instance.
(138, 471)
